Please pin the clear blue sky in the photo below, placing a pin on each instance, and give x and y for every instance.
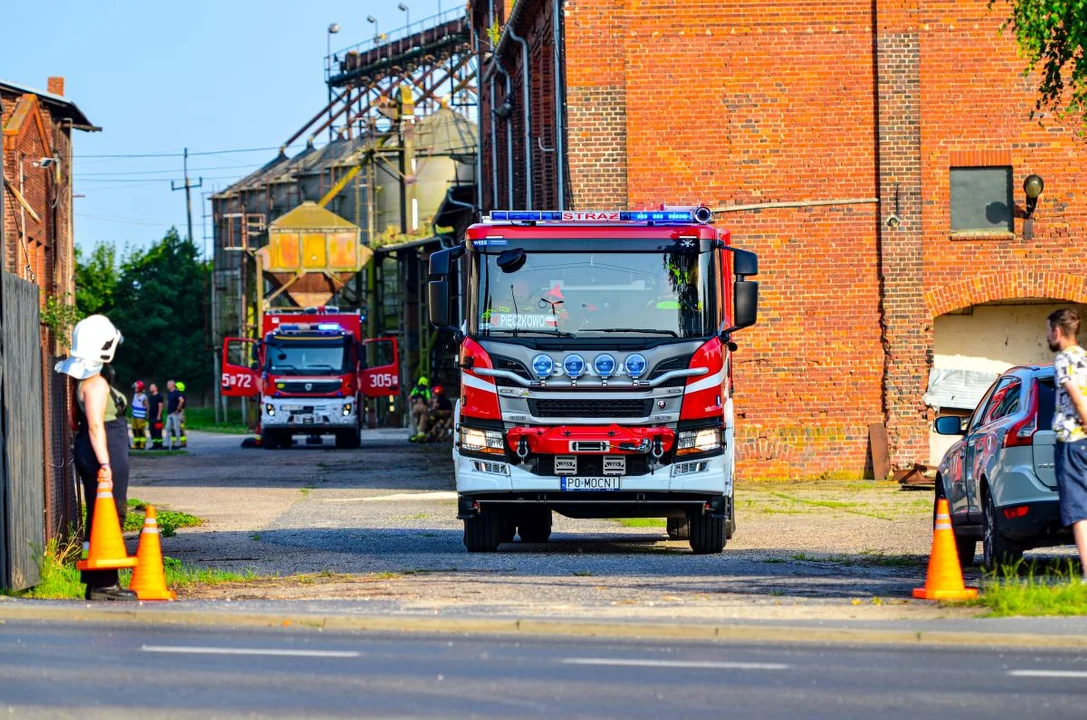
(159, 77)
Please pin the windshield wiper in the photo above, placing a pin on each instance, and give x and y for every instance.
(320, 367)
(647, 331)
(550, 333)
(279, 367)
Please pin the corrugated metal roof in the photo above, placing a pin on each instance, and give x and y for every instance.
(960, 389)
(68, 108)
(311, 216)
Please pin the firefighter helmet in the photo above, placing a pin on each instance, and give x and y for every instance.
(180, 386)
(94, 343)
(138, 386)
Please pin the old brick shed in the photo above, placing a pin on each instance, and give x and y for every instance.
(873, 153)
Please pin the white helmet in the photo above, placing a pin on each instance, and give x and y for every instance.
(94, 342)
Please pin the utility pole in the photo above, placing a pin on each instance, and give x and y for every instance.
(188, 188)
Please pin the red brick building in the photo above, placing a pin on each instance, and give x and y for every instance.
(873, 153)
(38, 247)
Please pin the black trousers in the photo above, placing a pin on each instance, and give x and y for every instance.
(156, 432)
(86, 464)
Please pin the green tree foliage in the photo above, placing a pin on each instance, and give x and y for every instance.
(157, 302)
(96, 279)
(1052, 34)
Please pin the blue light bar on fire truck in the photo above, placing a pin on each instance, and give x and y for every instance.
(697, 215)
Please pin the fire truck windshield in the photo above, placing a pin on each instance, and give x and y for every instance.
(587, 294)
(309, 356)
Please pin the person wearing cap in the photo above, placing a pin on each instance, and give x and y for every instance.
(139, 416)
(175, 405)
(101, 441)
(184, 401)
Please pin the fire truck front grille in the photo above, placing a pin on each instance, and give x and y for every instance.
(589, 465)
(316, 387)
(598, 408)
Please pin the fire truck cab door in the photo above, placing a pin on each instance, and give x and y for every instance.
(239, 379)
(381, 376)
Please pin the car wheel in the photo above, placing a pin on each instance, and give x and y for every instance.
(707, 534)
(997, 551)
(679, 528)
(269, 440)
(535, 526)
(483, 533)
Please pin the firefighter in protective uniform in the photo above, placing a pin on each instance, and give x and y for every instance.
(184, 435)
(419, 398)
(101, 441)
(139, 416)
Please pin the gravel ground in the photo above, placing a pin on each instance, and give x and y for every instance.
(378, 525)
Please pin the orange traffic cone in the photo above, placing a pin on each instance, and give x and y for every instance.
(149, 577)
(944, 581)
(107, 547)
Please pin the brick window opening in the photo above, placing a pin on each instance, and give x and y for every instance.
(981, 199)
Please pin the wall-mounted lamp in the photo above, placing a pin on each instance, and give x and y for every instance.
(503, 111)
(1033, 187)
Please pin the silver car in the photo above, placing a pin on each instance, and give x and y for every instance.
(999, 479)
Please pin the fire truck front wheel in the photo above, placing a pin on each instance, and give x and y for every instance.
(483, 532)
(707, 533)
(348, 438)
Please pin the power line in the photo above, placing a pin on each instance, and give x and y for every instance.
(182, 154)
(165, 172)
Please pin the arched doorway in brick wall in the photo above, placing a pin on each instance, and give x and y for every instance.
(983, 326)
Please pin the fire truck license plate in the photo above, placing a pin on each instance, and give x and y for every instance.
(572, 484)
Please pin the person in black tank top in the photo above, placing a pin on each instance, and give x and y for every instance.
(101, 441)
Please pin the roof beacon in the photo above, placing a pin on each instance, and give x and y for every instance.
(702, 215)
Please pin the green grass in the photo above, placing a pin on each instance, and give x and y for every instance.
(643, 522)
(60, 578)
(203, 419)
(168, 520)
(849, 507)
(1033, 590)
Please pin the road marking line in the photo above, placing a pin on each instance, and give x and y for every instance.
(1049, 673)
(437, 495)
(196, 650)
(677, 664)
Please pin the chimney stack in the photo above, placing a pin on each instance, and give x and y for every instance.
(55, 85)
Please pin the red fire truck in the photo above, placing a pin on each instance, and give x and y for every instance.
(596, 373)
(309, 371)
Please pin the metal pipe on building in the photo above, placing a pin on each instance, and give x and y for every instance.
(560, 100)
(509, 134)
(525, 99)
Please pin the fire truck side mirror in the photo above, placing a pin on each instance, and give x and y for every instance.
(438, 301)
(744, 263)
(745, 303)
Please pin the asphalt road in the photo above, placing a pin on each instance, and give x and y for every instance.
(57, 670)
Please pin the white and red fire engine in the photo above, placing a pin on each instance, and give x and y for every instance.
(596, 373)
(309, 372)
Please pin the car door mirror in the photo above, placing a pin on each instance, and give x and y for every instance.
(949, 425)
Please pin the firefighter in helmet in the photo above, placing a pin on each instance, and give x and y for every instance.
(184, 435)
(139, 416)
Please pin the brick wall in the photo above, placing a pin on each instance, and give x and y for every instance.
(744, 102)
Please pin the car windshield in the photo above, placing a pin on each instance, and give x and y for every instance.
(584, 294)
(305, 357)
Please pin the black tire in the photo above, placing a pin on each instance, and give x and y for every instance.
(535, 526)
(707, 534)
(348, 439)
(483, 533)
(730, 527)
(679, 528)
(269, 440)
(997, 551)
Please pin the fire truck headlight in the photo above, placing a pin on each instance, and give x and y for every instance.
(270, 409)
(347, 409)
(698, 441)
(485, 441)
